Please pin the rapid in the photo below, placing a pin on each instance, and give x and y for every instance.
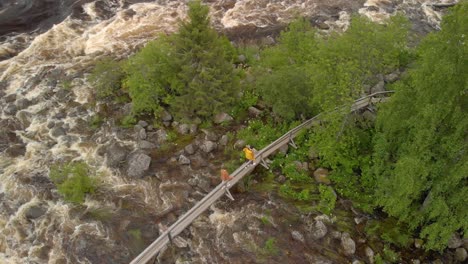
(47, 49)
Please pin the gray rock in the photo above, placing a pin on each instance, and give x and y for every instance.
(296, 235)
(348, 244)
(16, 150)
(321, 176)
(190, 149)
(208, 146)
(255, 112)
(210, 135)
(281, 179)
(418, 243)
(142, 133)
(370, 255)
(224, 140)
(415, 261)
(319, 230)
(222, 118)
(23, 103)
(183, 129)
(127, 109)
(10, 109)
(166, 116)
(142, 123)
(284, 149)
(241, 58)
(379, 87)
(455, 241)
(115, 154)
(34, 212)
(193, 128)
(57, 132)
(183, 160)
(10, 98)
(24, 117)
(369, 116)
(392, 77)
(138, 164)
(461, 254)
(161, 136)
(50, 124)
(240, 143)
(143, 144)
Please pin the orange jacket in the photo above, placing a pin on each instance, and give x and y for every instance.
(225, 175)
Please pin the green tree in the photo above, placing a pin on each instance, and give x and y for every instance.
(207, 81)
(150, 74)
(106, 78)
(420, 163)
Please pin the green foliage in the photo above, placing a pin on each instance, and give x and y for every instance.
(96, 121)
(259, 134)
(288, 191)
(327, 199)
(106, 78)
(150, 74)
(390, 255)
(420, 159)
(270, 247)
(128, 121)
(73, 181)
(207, 82)
(390, 231)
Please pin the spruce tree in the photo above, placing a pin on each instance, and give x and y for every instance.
(207, 82)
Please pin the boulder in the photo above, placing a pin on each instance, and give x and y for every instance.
(208, 146)
(461, 254)
(161, 136)
(348, 244)
(57, 131)
(127, 109)
(16, 150)
(241, 57)
(319, 230)
(379, 87)
(392, 77)
(24, 117)
(23, 103)
(34, 212)
(222, 118)
(281, 179)
(240, 143)
(166, 116)
(10, 98)
(142, 123)
(418, 243)
(183, 129)
(143, 144)
(321, 176)
(284, 149)
(224, 140)
(138, 164)
(10, 109)
(370, 255)
(296, 235)
(455, 241)
(190, 149)
(140, 132)
(254, 112)
(210, 135)
(183, 160)
(115, 154)
(193, 128)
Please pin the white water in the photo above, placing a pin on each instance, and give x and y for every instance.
(72, 46)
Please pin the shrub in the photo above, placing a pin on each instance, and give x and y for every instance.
(327, 199)
(106, 78)
(73, 181)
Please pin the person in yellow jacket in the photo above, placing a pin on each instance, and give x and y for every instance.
(249, 154)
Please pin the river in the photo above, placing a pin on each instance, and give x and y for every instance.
(47, 45)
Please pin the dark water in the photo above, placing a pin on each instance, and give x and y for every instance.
(29, 15)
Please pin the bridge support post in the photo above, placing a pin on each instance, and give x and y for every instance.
(291, 142)
(227, 192)
(170, 237)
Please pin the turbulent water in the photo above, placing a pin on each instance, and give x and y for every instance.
(43, 43)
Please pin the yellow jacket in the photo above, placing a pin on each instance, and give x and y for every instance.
(249, 154)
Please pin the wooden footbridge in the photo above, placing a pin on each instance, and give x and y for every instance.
(245, 169)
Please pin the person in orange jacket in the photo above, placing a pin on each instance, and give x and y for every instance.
(225, 175)
(249, 154)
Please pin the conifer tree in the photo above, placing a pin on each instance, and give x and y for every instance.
(207, 82)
